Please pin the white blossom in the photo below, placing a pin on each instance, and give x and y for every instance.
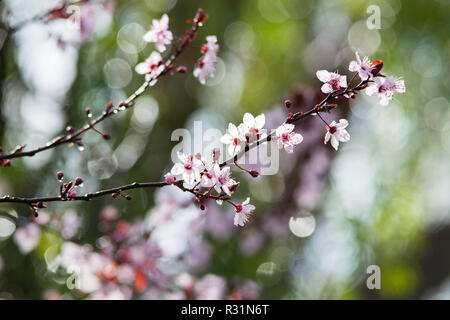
(332, 81)
(385, 88)
(206, 66)
(253, 126)
(159, 33)
(27, 237)
(287, 138)
(233, 138)
(337, 133)
(151, 67)
(363, 67)
(222, 179)
(189, 167)
(242, 212)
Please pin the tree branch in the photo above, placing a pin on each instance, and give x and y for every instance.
(74, 137)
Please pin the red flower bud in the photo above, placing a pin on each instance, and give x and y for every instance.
(182, 69)
(376, 67)
(78, 181)
(59, 175)
(287, 103)
(254, 173)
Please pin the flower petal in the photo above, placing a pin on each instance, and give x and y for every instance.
(323, 75)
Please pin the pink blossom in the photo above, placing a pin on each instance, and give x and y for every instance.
(170, 179)
(109, 213)
(234, 138)
(332, 81)
(337, 133)
(287, 137)
(185, 281)
(209, 176)
(363, 67)
(27, 237)
(159, 33)
(205, 67)
(253, 126)
(189, 168)
(242, 212)
(70, 224)
(385, 87)
(151, 67)
(210, 287)
(222, 179)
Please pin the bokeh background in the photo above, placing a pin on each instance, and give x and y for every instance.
(383, 199)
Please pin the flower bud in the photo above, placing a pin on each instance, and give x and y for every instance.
(254, 173)
(106, 136)
(108, 106)
(376, 67)
(170, 179)
(5, 163)
(287, 103)
(78, 181)
(128, 197)
(69, 129)
(40, 204)
(88, 112)
(60, 175)
(72, 194)
(182, 69)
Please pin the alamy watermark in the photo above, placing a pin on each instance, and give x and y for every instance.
(374, 280)
(373, 22)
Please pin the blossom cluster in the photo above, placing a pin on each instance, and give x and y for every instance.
(133, 258)
(384, 86)
(217, 176)
(161, 36)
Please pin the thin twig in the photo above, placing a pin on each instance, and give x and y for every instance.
(73, 137)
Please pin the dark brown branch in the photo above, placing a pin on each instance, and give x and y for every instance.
(321, 107)
(111, 191)
(73, 137)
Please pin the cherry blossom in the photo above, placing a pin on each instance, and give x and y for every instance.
(70, 224)
(253, 126)
(363, 67)
(151, 67)
(222, 179)
(242, 212)
(337, 133)
(169, 178)
(205, 67)
(332, 81)
(287, 137)
(385, 87)
(27, 237)
(210, 287)
(159, 33)
(209, 176)
(234, 138)
(189, 167)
